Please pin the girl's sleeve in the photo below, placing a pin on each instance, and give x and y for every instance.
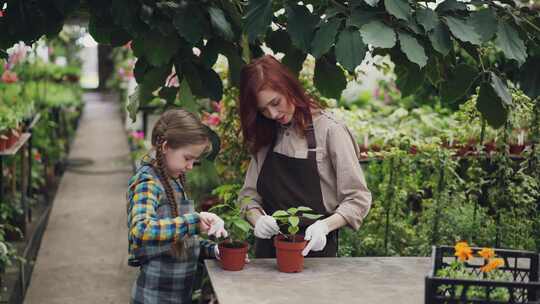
(143, 222)
(208, 249)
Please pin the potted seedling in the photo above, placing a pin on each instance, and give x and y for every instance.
(289, 246)
(234, 248)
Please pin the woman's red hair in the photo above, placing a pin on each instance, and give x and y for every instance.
(264, 73)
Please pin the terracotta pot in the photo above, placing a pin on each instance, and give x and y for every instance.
(490, 147)
(233, 255)
(13, 137)
(516, 149)
(3, 142)
(289, 254)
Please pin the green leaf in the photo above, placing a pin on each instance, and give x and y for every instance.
(360, 17)
(292, 211)
(217, 17)
(279, 41)
(500, 89)
(158, 50)
(280, 213)
(209, 54)
(154, 77)
(133, 105)
(491, 105)
(378, 34)
(258, 18)
(329, 78)
(451, 5)
(294, 220)
(529, 77)
(485, 23)
(440, 39)
(141, 66)
(414, 51)
(350, 50)
(234, 60)
(293, 229)
(242, 225)
(169, 94)
(510, 43)
(463, 30)
(301, 25)
(212, 84)
(189, 23)
(105, 32)
(372, 3)
(427, 18)
(459, 83)
(294, 60)
(312, 216)
(409, 78)
(398, 8)
(4, 54)
(325, 37)
(186, 98)
(216, 146)
(304, 209)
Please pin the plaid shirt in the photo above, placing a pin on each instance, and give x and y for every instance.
(152, 230)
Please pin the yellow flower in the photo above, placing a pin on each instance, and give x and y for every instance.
(486, 253)
(463, 251)
(492, 265)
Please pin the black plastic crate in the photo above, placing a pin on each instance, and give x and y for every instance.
(523, 265)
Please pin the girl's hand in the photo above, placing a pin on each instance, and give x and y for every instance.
(212, 224)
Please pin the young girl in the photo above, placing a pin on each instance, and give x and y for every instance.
(163, 225)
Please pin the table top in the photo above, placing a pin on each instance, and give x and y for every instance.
(324, 280)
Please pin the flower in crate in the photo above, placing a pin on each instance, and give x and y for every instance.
(486, 253)
(492, 265)
(463, 251)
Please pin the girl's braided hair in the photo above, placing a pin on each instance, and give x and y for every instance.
(177, 128)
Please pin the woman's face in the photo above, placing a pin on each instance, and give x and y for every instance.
(275, 106)
(181, 160)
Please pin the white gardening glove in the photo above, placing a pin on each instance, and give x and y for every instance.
(266, 227)
(316, 235)
(216, 224)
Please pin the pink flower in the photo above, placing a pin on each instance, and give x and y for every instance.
(9, 77)
(138, 134)
(217, 106)
(213, 119)
(1, 13)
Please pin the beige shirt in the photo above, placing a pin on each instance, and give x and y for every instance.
(343, 184)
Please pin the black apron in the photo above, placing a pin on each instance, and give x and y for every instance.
(286, 182)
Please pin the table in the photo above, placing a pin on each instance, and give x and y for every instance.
(359, 280)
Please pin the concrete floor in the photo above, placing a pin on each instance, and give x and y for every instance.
(83, 256)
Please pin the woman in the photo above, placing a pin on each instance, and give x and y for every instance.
(301, 156)
(162, 223)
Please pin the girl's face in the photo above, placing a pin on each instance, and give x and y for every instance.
(275, 106)
(181, 160)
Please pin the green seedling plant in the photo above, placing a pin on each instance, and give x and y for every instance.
(291, 218)
(232, 214)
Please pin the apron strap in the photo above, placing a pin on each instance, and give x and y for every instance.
(310, 137)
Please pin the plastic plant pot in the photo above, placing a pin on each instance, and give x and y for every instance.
(289, 254)
(233, 255)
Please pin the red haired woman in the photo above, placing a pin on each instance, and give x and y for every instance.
(301, 156)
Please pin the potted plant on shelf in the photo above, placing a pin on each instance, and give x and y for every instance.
(289, 246)
(234, 249)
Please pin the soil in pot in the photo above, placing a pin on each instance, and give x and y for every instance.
(289, 254)
(233, 255)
